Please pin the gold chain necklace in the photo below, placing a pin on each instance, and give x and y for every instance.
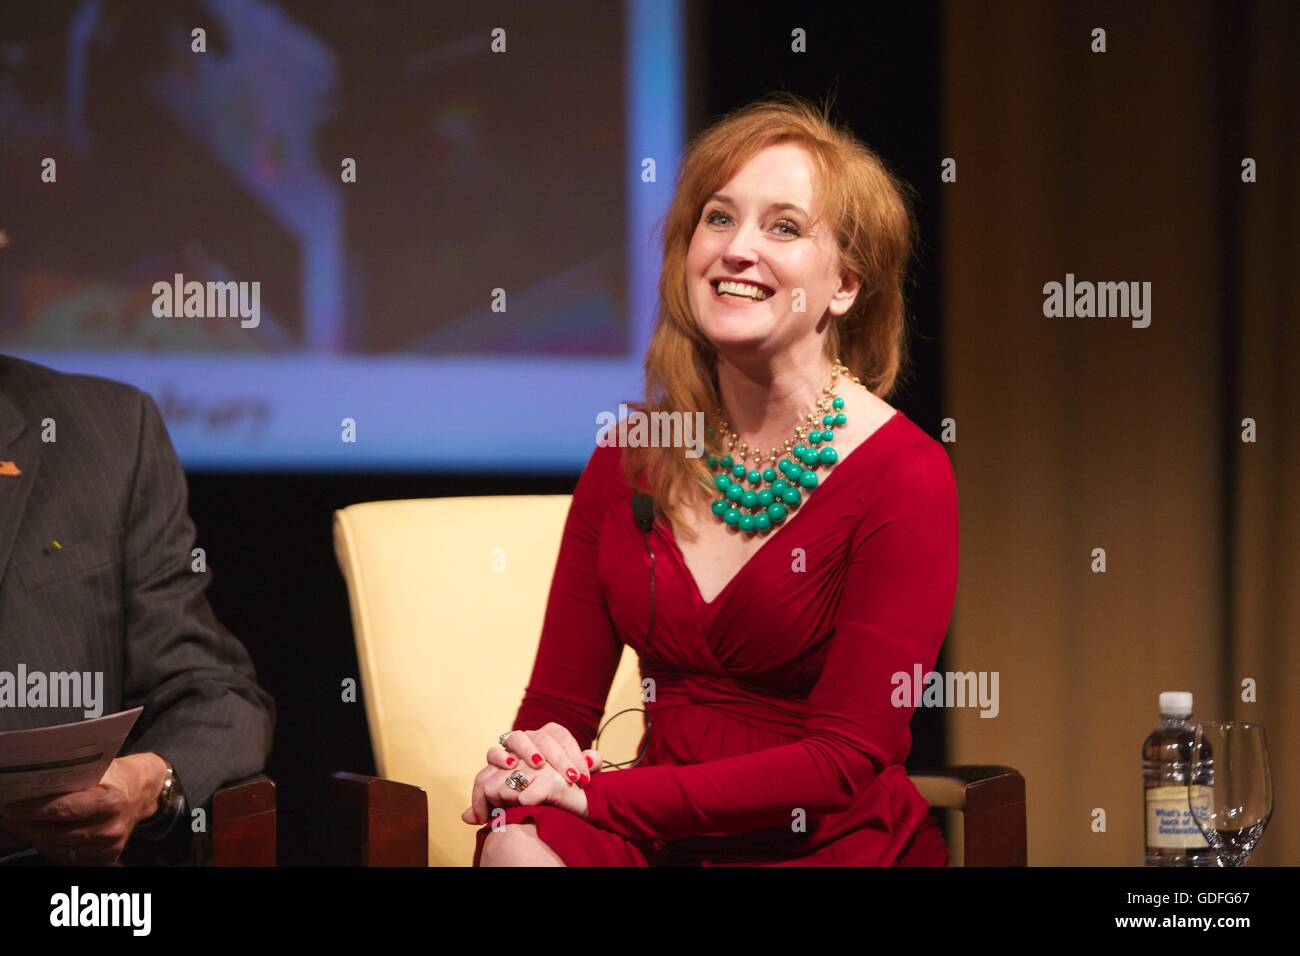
(767, 505)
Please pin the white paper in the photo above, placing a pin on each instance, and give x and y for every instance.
(47, 761)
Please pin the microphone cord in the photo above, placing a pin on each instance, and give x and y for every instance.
(645, 740)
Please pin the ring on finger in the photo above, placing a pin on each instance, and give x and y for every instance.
(517, 781)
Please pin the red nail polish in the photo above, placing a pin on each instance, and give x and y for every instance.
(537, 758)
(572, 775)
(509, 761)
(589, 761)
(584, 780)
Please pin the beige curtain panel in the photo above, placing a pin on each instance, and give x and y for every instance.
(1076, 432)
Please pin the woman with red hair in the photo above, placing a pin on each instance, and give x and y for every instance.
(800, 564)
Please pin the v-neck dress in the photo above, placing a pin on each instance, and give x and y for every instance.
(778, 728)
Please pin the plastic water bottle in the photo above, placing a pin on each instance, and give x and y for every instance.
(1172, 836)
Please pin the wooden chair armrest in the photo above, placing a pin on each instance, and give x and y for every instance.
(243, 823)
(378, 822)
(239, 830)
(992, 802)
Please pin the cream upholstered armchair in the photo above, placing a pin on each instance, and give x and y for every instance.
(448, 597)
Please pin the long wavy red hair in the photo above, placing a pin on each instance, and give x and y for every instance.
(869, 212)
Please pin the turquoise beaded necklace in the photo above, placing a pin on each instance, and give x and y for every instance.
(758, 508)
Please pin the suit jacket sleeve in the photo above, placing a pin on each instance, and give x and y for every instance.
(203, 709)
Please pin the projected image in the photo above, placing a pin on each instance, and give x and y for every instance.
(190, 187)
(229, 165)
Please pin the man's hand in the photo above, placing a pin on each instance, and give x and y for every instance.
(91, 826)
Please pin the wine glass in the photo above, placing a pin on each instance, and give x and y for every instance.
(1229, 788)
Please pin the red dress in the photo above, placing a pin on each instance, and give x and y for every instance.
(774, 740)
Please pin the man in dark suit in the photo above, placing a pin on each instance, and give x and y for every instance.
(98, 575)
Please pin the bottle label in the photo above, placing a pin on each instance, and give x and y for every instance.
(1170, 824)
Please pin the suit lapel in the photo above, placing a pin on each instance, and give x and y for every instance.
(20, 444)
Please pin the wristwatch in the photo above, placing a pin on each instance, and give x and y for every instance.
(172, 800)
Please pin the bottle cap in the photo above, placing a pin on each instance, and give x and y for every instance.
(1176, 703)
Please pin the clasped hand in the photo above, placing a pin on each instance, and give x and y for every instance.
(557, 769)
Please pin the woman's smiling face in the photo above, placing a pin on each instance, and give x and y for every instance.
(759, 230)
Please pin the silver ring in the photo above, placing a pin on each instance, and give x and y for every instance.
(503, 738)
(517, 781)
